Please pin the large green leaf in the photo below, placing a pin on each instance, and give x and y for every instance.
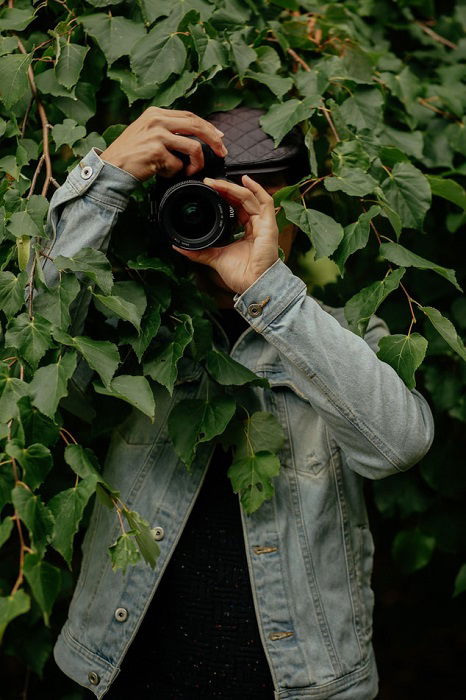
(12, 292)
(132, 389)
(67, 133)
(404, 353)
(412, 550)
(243, 54)
(92, 263)
(155, 62)
(362, 305)
(261, 432)
(325, 233)
(68, 508)
(355, 237)
(100, 355)
(193, 421)
(408, 192)
(122, 308)
(11, 606)
(281, 118)
(49, 384)
(21, 224)
(401, 256)
(251, 477)
(150, 324)
(164, 366)
(15, 19)
(352, 181)
(36, 426)
(70, 63)
(35, 460)
(44, 580)
(448, 189)
(35, 515)
(446, 329)
(13, 77)
(116, 36)
(54, 304)
(228, 372)
(30, 336)
(11, 390)
(363, 109)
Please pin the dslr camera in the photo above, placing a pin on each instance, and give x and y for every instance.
(189, 213)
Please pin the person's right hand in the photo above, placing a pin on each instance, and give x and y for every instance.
(143, 149)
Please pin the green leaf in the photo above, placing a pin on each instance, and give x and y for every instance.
(175, 87)
(35, 515)
(92, 140)
(68, 508)
(163, 368)
(143, 263)
(154, 62)
(21, 224)
(412, 550)
(100, 355)
(44, 581)
(49, 384)
(13, 77)
(325, 233)
(243, 55)
(54, 304)
(460, 581)
(11, 606)
(92, 263)
(448, 189)
(30, 336)
(401, 256)
(134, 390)
(408, 192)
(281, 118)
(67, 133)
(116, 36)
(6, 527)
(121, 308)
(12, 292)
(446, 329)
(150, 324)
(37, 427)
(363, 109)
(35, 460)
(355, 237)
(82, 461)
(193, 421)
(404, 353)
(228, 372)
(148, 547)
(251, 477)
(48, 84)
(82, 106)
(11, 390)
(352, 181)
(276, 84)
(362, 305)
(124, 552)
(15, 19)
(69, 64)
(261, 432)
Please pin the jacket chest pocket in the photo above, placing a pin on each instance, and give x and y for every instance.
(307, 449)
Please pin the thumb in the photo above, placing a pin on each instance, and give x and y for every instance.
(207, 256)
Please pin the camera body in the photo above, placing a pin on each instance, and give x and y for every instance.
(188, 212)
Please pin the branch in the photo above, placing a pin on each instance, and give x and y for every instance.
(330, 122)
(441, 39)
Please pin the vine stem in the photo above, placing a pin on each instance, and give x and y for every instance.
(16, 518)
(329, 119)
(299, 60)
(441, 39)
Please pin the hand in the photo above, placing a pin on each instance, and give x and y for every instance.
(242, 262)
(143, 147)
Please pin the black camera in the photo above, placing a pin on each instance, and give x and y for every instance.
(190, 213)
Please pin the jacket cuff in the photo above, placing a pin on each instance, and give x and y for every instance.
(102, 181)
(269, 296)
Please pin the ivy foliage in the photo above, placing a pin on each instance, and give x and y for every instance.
(377, 88)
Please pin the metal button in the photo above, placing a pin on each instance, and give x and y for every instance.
(94, 678)
(121, 614)
(158, 533)
(86, 172)
(254, 310)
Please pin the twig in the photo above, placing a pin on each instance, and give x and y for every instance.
(441, 39)
(424, 101)
(25, 118)
(330, 122)
(299, 60)
(36, 175)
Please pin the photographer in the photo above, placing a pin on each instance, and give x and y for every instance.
(278, 603)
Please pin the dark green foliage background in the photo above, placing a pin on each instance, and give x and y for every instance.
(378, 88)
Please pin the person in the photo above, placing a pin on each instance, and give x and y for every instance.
(277, 603)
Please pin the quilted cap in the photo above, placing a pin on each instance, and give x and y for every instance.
(250, 149)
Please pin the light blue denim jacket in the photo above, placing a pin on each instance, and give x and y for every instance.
(346, 416)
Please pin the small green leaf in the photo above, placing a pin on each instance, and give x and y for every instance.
(193, 421)
(228, 372)
(121, 308)
(69, 64)
(35, 460)
(11, 390)
(37, 427)
(412, 550)
(11, 606)
(404, 353)
(6, 527)
(148, 547)
(30, 336)
(143, 263)
(448, 189)
(261, 432)
(446, 329)
(12, 292)
(115, 35)
(15, 19)
(251, 477)
(362, 305)
(92, 263)
(281, 118)
(324, 232)
(353, 181)
(355, 237)
(163, 368)
(13, 77)
(460, 581)
(150, 324)
(44, 581)
(402, 256)
(21, 224)
(132, 389)
(124, 552)
(363, 109)
(82, 461)
(49, 384)
(35, 515)
(408, 192)
(100, 355)
(67, 133)
(54, 304)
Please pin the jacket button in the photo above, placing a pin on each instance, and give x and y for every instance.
(86, 172)
(94, 678)
(121, 614)
(158, 533)
(254, 310)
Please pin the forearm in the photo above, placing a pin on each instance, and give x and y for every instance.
(380, 424)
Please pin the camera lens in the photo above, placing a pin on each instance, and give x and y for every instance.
(192, 217)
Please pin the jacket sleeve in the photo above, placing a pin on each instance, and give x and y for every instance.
(381, 426)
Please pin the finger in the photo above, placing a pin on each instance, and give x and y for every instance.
(237, 194)
(200, 128)
(259, 192)
(188, 146)
(165, 163)
(207, 256)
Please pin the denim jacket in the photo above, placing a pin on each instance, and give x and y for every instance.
(346, 415)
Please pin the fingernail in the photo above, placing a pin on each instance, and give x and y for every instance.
(224, 151)
(209, 181)
(220, 133)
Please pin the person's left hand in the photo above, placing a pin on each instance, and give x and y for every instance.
(240, 263)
